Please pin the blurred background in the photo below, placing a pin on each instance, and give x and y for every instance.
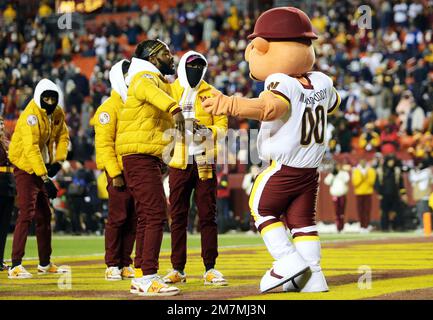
(383, 73)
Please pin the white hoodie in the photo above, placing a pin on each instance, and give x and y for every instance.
(45, 85)
(117, 80)
(139, 65)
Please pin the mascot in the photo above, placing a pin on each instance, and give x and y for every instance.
(293, 110)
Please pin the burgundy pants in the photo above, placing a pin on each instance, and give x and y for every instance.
(340, 205)
(120, 230)
(144, 180)
(364, 208)
(282, 190)
(182, 182)
(33, 203)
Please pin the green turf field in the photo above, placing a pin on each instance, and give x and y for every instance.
(400, 267)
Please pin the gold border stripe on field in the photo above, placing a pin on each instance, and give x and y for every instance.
(352, 292)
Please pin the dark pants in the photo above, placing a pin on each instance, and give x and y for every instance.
(144, 180)
(340, 205)
(389, 204)
(363, 203)
(33, 203)
(182, 182)
(120, 229)
(6, 208)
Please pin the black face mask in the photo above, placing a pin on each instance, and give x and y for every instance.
(194, 75)
(49, 108)
(166, 68)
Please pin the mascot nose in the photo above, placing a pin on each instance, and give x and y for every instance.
(262, 45)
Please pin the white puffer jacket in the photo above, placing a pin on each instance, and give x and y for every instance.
(338, 183)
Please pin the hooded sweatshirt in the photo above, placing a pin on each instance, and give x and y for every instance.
(36, 134)
(105, 121)
(190, 100)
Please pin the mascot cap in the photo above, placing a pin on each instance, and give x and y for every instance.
(283, 23)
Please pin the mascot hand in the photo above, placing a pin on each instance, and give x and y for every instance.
(218, 105)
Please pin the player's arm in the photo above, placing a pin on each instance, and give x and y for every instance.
(146, 89)
(335, 101)
(30, 139)
(266, 107)
(105, 137)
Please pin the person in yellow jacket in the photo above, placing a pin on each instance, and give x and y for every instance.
(189, 170)
(38, 147)
(120, 229)
(149, 111)
(369, 140)
(363, 180)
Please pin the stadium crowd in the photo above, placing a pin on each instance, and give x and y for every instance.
(384, 74)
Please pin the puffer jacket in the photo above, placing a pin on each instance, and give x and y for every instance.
(106, 124)
(147, 113)
(218, 124)
(36, 134)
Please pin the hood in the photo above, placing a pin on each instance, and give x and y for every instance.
(139, 65)
(45, 85)
(118, 81)
(181, 69)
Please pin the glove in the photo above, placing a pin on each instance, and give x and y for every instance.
(50, 188)
(53, 169)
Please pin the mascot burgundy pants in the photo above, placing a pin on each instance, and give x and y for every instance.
(182, 182)
(33, 203)
(144, 180)
(120, 229)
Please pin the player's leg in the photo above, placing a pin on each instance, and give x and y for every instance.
(300, 218)
(129, 233)
(27, 194)
(144, 178)
(270, 198)
(205, 198)
(181, 184)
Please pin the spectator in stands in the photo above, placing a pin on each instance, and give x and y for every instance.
(389, 140)
(390, 188)
(415, 120)
(421, 179)
(367, 114)
(370, 139)
(363, 180)
(338, 181)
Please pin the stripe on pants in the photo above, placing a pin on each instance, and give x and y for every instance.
(258, 187)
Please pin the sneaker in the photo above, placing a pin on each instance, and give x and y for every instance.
(19, 272)
(4, 267)
(135, 286)
(175, 276)
(128, 273)
(113, 274)
(138, 272)
(214, 277)
(154, 286)
(284, 270)
(50, 269)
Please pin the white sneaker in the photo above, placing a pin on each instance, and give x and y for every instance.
(153, 285)
(174, 276)
(113, 274)
(307, 282)
(135, 286)
(284, 269)
(214, 277)
(19, 272)
(127, 273)
(50, 269)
